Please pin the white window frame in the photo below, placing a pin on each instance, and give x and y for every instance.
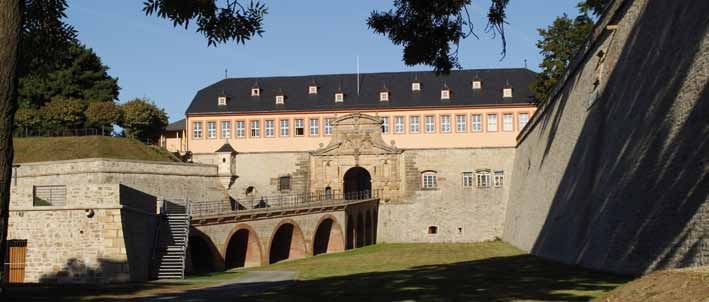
(314, 127)
(508, 122)
(385, 124)
(240, 129)
(399, 125)
(499, 179)
(507, 92)
(492, 122)
(255, 131)
(284, 128)
(384, 96)
(522, 121)
(445, 94)
(339, 97)
(197, 130)
(476, 123)
(269, 128)
(429, 180)
(312, 89)
(415, 86)
(468, 179)
(482, 178)
(477, 85)
(298, 124)
(221, 101)
(255, 91)
(280, 99)
(414, 124)
(445, 123)
(430, 123)
(327, 128)
(226, 129)
(461, 123)
(211, 130)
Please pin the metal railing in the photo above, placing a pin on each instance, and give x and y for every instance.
(25, 132)
(277, 202)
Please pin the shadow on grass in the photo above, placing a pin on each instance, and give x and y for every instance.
(514, 278)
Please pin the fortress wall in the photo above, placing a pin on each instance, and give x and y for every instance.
(611, 173)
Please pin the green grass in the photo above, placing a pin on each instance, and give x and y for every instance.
(36, 149)
(214, 277)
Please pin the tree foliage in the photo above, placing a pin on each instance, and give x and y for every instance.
(27, 118)
(102, 115)
(63, 113)
(142, 119)
(44, 35)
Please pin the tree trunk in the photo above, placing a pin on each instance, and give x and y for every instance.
(10, 23)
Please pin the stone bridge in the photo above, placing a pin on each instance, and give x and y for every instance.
(223, 235)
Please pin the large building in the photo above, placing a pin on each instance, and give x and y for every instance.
(437, 148)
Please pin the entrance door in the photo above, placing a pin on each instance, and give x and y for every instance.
(15, 261)
(357, 183)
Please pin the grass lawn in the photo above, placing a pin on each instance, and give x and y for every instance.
(36, 149)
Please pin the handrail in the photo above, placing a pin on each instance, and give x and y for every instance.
(188, 211)
(277, 202)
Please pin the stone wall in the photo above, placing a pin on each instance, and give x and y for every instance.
(92, 238)
(611, 173)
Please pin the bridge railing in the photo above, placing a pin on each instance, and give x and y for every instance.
(277, 202)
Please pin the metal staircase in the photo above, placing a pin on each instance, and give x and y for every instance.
(171, 242)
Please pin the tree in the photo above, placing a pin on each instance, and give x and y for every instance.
(142, 120)
(27, 118)
(62, 114)
(102, 115)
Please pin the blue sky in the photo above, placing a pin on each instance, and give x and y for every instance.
(168, 65)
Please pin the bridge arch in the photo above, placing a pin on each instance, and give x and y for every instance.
(357, 180)
(242, 248)
(287, 242)
(359, 233)
(328, 237)
(368, 228)
(202, 255)
(351, 226)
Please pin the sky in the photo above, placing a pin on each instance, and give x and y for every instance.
(168, 65)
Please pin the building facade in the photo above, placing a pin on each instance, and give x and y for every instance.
(437, 148)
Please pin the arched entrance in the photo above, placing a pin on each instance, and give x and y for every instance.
(328, 237)
(357, 183)
(243, 250)
(287, 243)
(200, 256)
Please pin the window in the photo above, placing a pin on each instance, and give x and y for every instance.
(477, 84)
(240, 129)
(284, 128)
(197, 130)
(432, 230)
(430, 124)
(415, 86)
(385, 124)
(314, 127)
(476, 124)
(523, 119)
(445, 94)
(414, 124)
(339, 97)
(507, 93)
(428, 180)
(269, 128)
(384, 96)
(445, 123)
(467, 179)
(226, 129)
(255, 91)
(312, 89)
(328, 126)
(399, 124)
(280, 99)
(299, 127)
(499, 178)
(221, 101)
(492, 122)
(284, 183)
(43, 196)
(482, 179)
(460, 123)
(212, 130)
(507, 122)
(255, 128)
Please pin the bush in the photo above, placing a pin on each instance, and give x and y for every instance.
(63, 113)
(27, 118)
(142, 120)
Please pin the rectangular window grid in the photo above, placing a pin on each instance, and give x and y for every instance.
(240, 129)
(328, 126)
(499, 178)
(430, 124)
(523, 119)
(284, 128)
(226, 129)
(507, 122)
(255, 128)
(211, 129)
(414, 124)
(269, 128)
(476, 124)
(314, 127)
(197, 130)
(299, 127)
(468, 179)
(461, 124)
(482, 179)
(399, 124)
(385, 124)
(445, 123)
(492, 122)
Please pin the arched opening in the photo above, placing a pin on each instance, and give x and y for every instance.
(200, 258)
(360, 230)
(368, 233)
(357, 183)
(328, 238)
(243, 250)
(328, 193)
(351, 229)
(287, 243)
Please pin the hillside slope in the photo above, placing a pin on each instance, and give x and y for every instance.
(36, 149)
(690, 285)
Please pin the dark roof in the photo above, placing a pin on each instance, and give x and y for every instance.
(295, 88)
(176, 126)
(226, 148)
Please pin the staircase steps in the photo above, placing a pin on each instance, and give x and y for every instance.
(172, 241)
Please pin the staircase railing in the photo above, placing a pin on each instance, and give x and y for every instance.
(188, 212)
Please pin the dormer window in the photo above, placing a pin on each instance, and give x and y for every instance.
(415, 86)
(339, 97)
(445, 94)
(312, 89)
(221, 101)
(384, 96)
(477, 84)
(255, 91)
(280, 99)
(507, 93)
